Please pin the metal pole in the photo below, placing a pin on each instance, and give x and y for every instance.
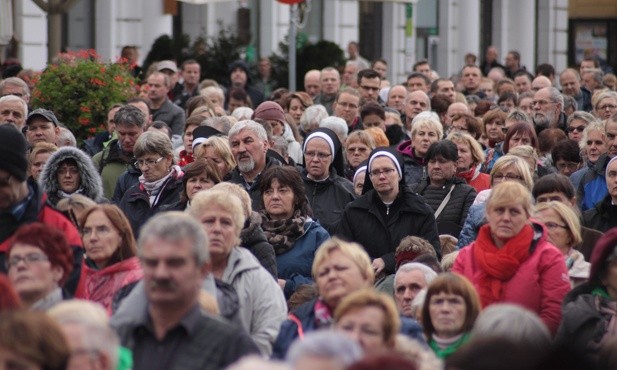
(292, 47)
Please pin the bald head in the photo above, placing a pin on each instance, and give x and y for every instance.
(540, 82)
(312, 83)
(454, 109)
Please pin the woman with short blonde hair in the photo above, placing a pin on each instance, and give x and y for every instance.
(512, 260)
(564, 231)
(262, 304)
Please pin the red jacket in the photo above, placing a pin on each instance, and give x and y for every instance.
(49, 216)
(540, 284)
(102, 285)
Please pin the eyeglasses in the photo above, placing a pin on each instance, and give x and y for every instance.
(5, 181)
(385, 171)
(147, 162)
(607, 107)
(321, 156)
(68, 170)
(577, 129)
(28, 259)
(553, 225)
(500, 177)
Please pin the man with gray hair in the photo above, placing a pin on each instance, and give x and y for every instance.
(323, 349)
(548, 110)
(249, 144)
(15, 86)
(409, 280)
(173, 332)
(13, 110)
(118, 157)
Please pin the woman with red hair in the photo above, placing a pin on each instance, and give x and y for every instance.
(39, 262)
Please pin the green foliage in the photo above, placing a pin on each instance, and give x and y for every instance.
(166, 48)
(79, 89)
(222, 50)
(310, 56)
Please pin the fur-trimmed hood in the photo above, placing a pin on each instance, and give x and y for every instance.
(91, 182)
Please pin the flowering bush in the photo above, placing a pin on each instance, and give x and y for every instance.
(79, 88)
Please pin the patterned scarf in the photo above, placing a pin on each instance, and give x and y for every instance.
(282, 234)
(499, 264)
(323, 315)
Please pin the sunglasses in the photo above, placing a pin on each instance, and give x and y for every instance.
(577, 129)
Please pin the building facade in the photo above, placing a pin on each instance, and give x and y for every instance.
(442, 31)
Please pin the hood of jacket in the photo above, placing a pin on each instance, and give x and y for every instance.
(253, 233)
(91, 182)
(240, 260)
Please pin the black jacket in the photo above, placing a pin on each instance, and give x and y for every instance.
(136, 203)
(456, 209)
(602, 216)
(364, 221)
(125, 182)
(581, 322)
(253, 189)
(328, 198)
(253, 238)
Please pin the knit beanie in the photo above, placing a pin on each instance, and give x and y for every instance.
(13, 148)
(269, 110)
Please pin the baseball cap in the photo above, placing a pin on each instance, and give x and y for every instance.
(167, 64)
(45, 114)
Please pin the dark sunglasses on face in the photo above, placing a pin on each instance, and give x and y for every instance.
(577, 129)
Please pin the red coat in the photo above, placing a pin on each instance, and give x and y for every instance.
(102, 285)
(540, 284)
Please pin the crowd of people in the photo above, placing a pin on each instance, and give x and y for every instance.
(433, 223)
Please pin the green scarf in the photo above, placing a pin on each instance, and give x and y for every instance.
(446, 352)
(601, 292)
(125, 359)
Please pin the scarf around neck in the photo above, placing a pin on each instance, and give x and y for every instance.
(470, 174)
(282, 234)
(153, 188)
(62, 194)
(444, 353)
(498, 265)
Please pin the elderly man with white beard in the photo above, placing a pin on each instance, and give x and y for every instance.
(249, 144)
(548, 109)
